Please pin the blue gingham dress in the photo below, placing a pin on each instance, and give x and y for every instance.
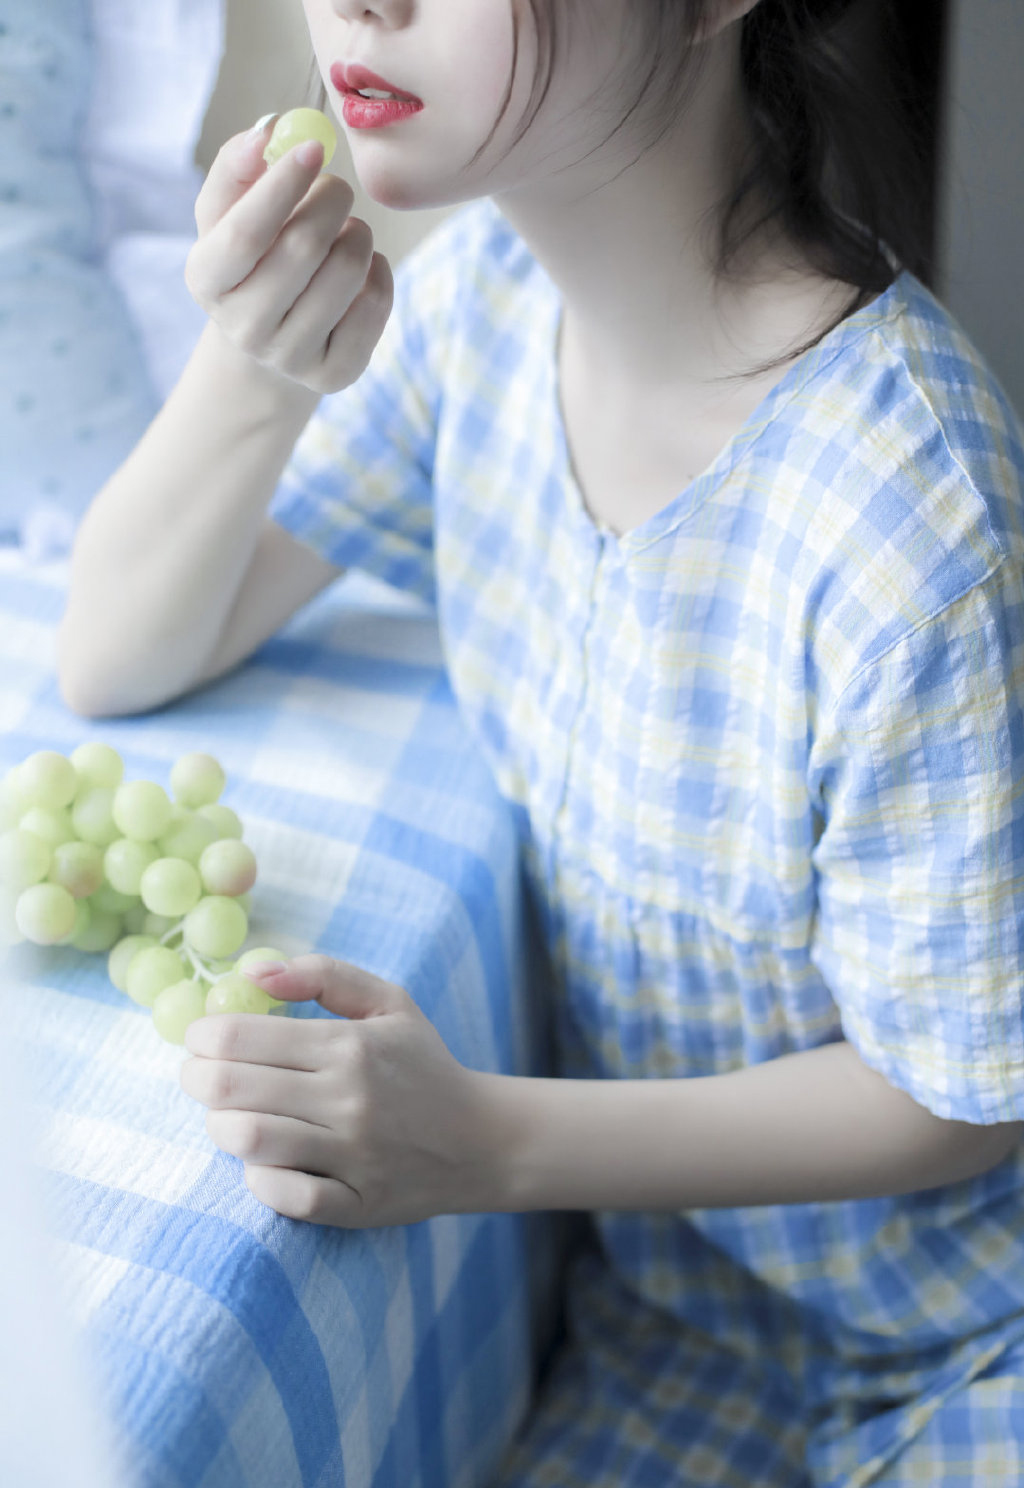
(765, 753)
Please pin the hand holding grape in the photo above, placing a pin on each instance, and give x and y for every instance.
(362, 1119)
(288, 276)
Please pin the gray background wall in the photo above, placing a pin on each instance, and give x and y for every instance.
(981, 244)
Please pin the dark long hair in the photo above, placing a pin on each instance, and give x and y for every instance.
(838, 161)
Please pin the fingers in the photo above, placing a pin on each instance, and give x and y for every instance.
(238, 165)
(353, 339)
(230, 1085)
(277, 1141)
(339, 986)
(302, 1196)
(254, 1038)
(311, 247)
(234, 243)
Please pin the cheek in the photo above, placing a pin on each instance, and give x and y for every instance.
(318, 19)
(483, 74)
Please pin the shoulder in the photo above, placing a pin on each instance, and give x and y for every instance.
(912, 478)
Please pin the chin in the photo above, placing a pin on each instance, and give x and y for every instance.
(410, 181)
(397, 193)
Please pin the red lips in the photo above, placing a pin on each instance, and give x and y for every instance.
(353, 77)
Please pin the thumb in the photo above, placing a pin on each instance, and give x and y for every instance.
(338, 986)
(238, 165)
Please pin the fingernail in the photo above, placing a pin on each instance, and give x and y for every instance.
(310, 152)
(262, 970)
(260, 125)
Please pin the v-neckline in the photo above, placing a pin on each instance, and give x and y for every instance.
(686, 501)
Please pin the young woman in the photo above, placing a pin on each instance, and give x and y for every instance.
(722, 516)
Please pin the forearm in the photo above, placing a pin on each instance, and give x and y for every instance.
(160, 554)
(808, 1127)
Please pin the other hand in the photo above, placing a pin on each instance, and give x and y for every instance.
(361, 1120)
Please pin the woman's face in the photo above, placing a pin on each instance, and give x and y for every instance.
(456, 57)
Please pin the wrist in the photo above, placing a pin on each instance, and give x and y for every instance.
(566, 1144)
(504, 1139)
(266, 393)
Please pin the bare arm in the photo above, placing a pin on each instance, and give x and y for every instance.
(161, 555)
(176, 572)
(808, 1127)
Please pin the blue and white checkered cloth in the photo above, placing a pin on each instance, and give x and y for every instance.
(238, 1348)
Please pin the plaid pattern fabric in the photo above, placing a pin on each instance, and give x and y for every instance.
(237, 1348)
(764, 752)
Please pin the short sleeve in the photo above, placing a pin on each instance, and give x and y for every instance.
(919, 931)
(358, 488)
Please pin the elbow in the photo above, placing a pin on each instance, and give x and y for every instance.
(79, 695)
(999, 1142)
(973, 1149)
(79, 701)
(87, 690)
(91, 704)
(75, 693)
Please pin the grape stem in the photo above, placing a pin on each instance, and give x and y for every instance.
(199, 966)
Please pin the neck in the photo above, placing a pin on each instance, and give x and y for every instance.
(627, 238)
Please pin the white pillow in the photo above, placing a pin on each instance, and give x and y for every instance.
(101, 105)
(74, 390)
(154, 72)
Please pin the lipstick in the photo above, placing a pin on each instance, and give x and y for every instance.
(362, 112)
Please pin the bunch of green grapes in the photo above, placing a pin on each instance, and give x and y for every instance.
(159, 882)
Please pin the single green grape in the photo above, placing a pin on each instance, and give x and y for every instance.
(11, 805)
(53, 826)
(83, 915)
(121, 957)
(297, 126)
(188, 837)
(77, 867)
(156, 924)
(150, 971)
(125, 861)
(226, 822)
(263, 953)
(98, 764)
(217, 926)
(100, 931)
(92, 815)
(170, 886)
(111, 901)
(47, 779)
(228, 867)
(24, 859)
(45, 914)
(257, 954)
(197, 780)
(142, 810)
(10, 935)
(175, 1007)
(235, 993)
(134, 916)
